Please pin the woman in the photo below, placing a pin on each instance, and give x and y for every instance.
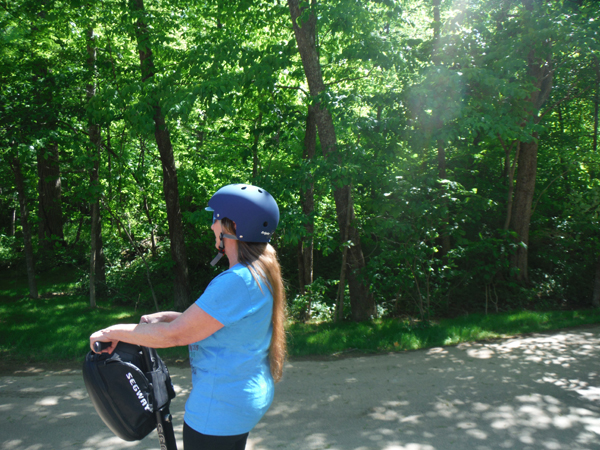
(235, 330)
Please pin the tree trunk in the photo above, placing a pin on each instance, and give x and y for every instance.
(596, 104)
(342, 285)
(95, 218)
(182, 292)
(523, 200)
(151, 223)
(363, 306)
(539, 68)
(145, 201)
(170, 185)
(29, 259)
(49, 190)
(13, 221)
(97, 266)
(305, 246)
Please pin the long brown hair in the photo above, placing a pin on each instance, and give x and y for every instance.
(261, 259)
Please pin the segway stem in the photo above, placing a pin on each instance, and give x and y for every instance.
(164, 420)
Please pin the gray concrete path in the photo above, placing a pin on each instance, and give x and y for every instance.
(537, 392)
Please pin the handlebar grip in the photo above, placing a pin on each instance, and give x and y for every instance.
(99, 346)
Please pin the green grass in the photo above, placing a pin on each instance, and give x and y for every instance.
(57, 326)
(395, 335)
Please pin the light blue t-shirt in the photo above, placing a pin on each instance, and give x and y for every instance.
(232, 386)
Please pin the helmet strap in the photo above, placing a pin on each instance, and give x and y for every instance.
(221, 248)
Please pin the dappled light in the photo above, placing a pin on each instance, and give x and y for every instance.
(536, 392)
(532, 392)
(43, 409)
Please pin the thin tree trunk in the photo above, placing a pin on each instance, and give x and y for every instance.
(305, 246)
(95, 218)
(363, 306)
(13, 221)
(596, 104)
(342, 285)
(182, 291)
(308, 203)
(78, 234)
(29, 259)
(109, 157)
(151, 223)
(145, 202)
(300, 260)
(97, 267)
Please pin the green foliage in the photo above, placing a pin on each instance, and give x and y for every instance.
(317, 300)
(9, 252)
(401, 89)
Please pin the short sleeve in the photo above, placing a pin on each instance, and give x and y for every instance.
(226, 298)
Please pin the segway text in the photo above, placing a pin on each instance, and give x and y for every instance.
(138, 392)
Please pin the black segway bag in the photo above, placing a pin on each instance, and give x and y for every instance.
(125, 392)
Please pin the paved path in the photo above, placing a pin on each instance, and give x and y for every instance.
(537, 392)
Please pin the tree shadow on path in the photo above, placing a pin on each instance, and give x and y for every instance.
(536, 392)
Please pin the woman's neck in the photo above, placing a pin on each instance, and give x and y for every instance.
(231, 250)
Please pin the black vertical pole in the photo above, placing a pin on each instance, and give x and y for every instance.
(164, 420)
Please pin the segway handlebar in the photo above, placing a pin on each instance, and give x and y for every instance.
(99, 346)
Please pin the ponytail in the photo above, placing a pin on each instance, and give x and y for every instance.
(261, 259)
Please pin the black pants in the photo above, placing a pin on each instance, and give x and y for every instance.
(192, 440)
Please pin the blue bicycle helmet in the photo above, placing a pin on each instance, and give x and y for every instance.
(254, 211)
